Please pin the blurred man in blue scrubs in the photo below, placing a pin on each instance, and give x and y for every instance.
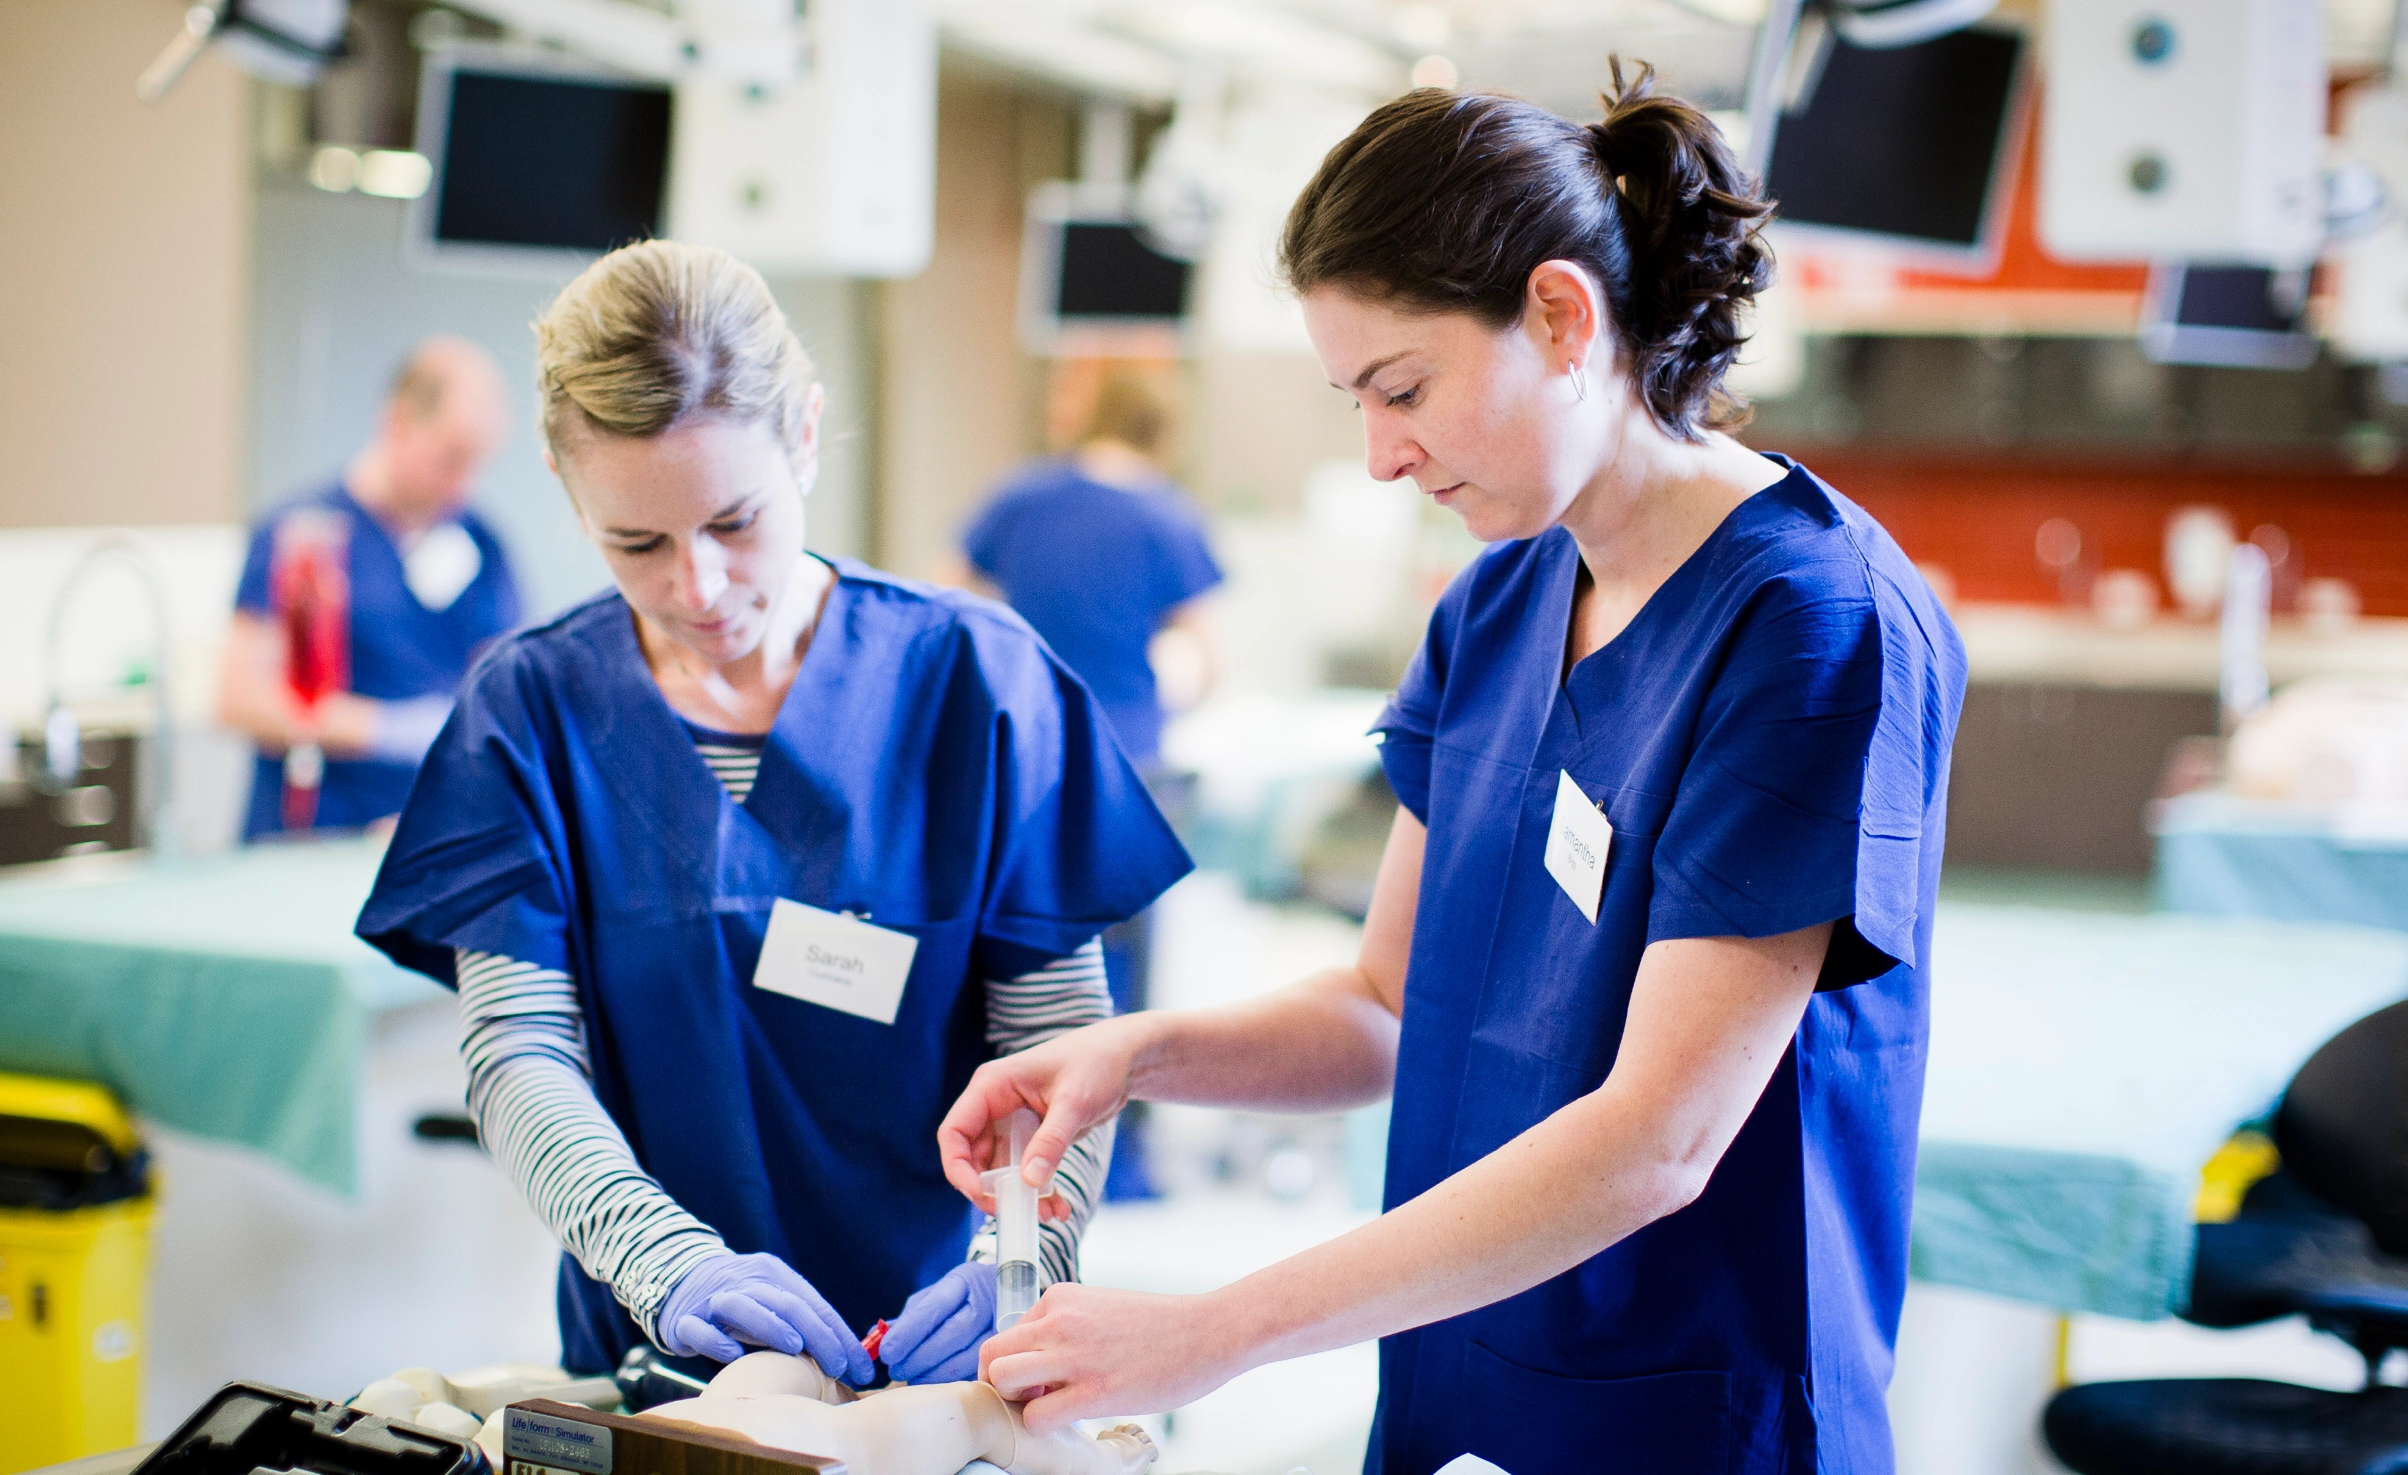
(1105, 556)
(409, 584)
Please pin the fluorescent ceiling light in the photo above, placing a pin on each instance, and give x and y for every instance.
(396, 174)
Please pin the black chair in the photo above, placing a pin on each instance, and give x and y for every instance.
(2326, 1236)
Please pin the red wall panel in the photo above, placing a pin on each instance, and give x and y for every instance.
(1977, 517)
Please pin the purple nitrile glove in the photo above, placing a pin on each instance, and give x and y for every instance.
(936, 1339)
(732, 1299)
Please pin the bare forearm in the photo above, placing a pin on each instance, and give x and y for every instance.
(1583, 1178)
(1324, 1044)
(344, 727)
(1709, 1021)
(1553, 1197)
(252, 699)
(254, 704)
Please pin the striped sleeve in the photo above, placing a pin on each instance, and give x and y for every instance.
(736, 768)
(1029, 1010)
(531, 1093)
(530, 1089)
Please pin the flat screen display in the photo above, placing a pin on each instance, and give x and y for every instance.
(1905, 142)
(1108, 271)
(2248, 298)
(2248, 317)
(541, 162)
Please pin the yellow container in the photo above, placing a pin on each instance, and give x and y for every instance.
(75, 1212)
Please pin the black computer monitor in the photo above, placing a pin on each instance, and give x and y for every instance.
(1912, 147)
(1093, 280)
(540, 163)
(2242, 317)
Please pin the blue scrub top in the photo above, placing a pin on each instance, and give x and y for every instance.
(399, 649)
(1769, 738)
(933, 770)
(1095, 568)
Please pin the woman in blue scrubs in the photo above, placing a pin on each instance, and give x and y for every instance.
(743, 866)
(1645, 967)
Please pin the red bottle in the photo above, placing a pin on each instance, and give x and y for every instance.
(309, 589)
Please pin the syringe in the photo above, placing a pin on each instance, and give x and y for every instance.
(1015, 1226)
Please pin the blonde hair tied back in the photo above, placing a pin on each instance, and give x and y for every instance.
(661, 331)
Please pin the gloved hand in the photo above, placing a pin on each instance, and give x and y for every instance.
(759, 1299)
(402, 731)
(936, 1339)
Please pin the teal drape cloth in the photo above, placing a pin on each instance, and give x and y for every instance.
(2085, 1066)
(2223, 856)
(223, 996)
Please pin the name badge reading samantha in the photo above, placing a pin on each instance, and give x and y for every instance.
(1577, 845)
(835, 961)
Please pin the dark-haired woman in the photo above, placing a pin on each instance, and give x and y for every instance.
(1645, 963)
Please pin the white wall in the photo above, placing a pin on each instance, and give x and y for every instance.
(336, 310)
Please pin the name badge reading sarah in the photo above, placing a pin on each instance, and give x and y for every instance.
(835, 961)
(1577, 846)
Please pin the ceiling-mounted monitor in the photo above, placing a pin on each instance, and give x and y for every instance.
(541, 163)
(1094, 281)
(2241, 317)
(1909, 147)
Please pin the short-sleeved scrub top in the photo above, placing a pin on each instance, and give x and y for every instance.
(401, 648)
(933, 771)
(1769, 739)
(1096, 568)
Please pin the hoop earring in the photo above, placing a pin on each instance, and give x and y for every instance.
(1580, 382)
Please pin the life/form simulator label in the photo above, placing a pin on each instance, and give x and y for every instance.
(542, 1444)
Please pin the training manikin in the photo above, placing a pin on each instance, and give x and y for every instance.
(928, 1429)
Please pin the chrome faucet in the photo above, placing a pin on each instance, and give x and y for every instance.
(62, 733)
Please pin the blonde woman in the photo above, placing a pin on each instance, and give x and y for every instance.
(743, 866)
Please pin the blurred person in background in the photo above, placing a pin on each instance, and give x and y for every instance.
(1103, 554)
(1106, 557)
(425, 585)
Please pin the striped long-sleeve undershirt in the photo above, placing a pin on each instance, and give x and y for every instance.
(531, 1092)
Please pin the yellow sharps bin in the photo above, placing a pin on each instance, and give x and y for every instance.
(75, 1208)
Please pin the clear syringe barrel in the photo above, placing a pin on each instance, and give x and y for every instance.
(1015, 1227)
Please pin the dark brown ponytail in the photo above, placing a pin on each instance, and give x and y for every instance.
(1447, 201)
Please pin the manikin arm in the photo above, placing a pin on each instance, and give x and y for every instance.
(933, 1429)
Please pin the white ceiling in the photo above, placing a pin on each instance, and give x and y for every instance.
(1552, 51)
(1138, 49)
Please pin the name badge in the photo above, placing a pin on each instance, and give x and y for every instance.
(835, 961)
(1577, 845)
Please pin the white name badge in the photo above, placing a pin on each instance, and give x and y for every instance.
(1577, 845)
(835, 961)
